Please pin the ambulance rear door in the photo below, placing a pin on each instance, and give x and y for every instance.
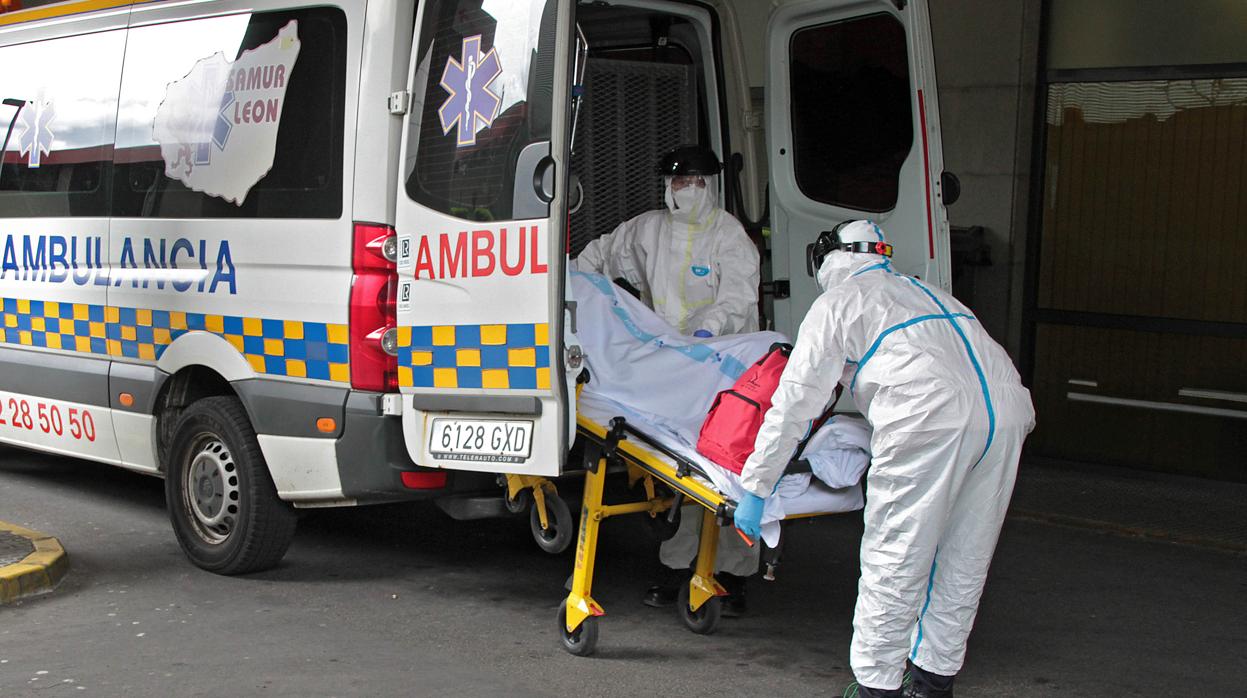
(480, 223)
(853, 132)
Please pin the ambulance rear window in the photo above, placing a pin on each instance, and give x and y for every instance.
(852, 120)
(483, 83)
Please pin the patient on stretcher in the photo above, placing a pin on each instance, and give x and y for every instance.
(664, 383)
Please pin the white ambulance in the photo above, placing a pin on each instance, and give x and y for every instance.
(315, 255)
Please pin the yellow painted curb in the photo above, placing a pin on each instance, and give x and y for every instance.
(38, 572)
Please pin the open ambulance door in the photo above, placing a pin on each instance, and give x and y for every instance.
(480, 223)
(853, 132)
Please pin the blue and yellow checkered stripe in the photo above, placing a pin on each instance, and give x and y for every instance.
(512, 357)
(276, 347)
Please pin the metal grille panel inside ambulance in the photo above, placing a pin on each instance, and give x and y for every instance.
(633, 112)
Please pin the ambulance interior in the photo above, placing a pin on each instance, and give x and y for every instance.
(654, 79)
(645, 92)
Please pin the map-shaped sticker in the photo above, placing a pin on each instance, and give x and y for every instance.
(217, 127)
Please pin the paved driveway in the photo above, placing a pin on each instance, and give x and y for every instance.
(400, 600)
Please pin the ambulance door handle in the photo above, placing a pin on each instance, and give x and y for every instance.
(530, 178)
(543, 179)
(950, 187)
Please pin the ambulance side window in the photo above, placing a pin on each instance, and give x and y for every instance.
(57, 162)
(236, 116)
(851, 114)
(483, 93)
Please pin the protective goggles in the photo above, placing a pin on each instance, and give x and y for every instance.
(829, 241)
(684, 181)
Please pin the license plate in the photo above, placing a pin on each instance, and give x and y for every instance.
(481, 440)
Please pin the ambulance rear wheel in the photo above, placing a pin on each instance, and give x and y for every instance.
(704, 620)
(583, 640)
(221, 500)
(558, 535)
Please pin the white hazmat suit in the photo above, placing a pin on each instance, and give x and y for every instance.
(693, 262)
(949, 415)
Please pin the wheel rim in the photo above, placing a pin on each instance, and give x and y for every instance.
(210, 490)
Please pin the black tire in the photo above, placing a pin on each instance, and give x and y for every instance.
(704, 620)
(558, 536)
(519, 505)
(584, 640)
(221, 499)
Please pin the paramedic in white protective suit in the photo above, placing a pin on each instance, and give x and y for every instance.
(693, 263)
(949, 415)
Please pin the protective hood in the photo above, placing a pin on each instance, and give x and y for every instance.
(692, 205)
(840, 265)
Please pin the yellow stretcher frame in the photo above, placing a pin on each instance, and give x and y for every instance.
(619, 442)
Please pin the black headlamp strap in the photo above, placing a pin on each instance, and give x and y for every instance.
(882, 248)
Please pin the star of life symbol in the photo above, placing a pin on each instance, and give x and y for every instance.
(205, 119)
(220, 129)
(36, 137)
(471, 105)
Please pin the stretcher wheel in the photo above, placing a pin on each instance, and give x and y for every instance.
(704, 620)
(584, 640)
(558, 536)
(520, 504)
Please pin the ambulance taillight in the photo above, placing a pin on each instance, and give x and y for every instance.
(374, 361)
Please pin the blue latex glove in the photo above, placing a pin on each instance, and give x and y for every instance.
(704, 334)
(749, 515)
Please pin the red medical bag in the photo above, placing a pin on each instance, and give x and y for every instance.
(732, 425)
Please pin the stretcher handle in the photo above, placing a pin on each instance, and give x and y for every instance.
(683, 465)
(745, 537)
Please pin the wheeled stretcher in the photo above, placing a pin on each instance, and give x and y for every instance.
(644, 407)
(669, 479)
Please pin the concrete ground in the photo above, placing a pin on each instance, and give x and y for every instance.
(400, 600)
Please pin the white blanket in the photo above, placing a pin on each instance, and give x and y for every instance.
(663, 383)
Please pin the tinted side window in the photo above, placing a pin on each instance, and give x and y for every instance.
(232, 117)
(483, 93)
(57, 159)
(852, 121)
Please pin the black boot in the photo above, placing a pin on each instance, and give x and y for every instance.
(734, 605)
(666, 590)
(856, 690)
(924, 684)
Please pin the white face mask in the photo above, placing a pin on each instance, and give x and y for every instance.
(690, 204)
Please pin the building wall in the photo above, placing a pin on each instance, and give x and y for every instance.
(1121, 33)
(986, 54)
